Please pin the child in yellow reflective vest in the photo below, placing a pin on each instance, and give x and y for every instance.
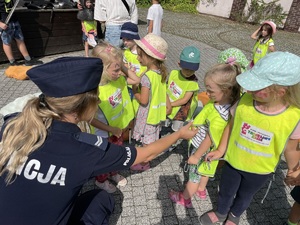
(115, 110)
(151, 95)
(223, 91)
(265, 125)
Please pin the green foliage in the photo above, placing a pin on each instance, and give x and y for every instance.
(259, 10)
(173, 5)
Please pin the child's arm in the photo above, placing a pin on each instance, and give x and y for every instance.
(169, 106)
(292, 155)
(179, 102)
(218, 153)
(204, 146)
(132, 78)
(83, 28)
(143, 96)
(272, 48)
(293, 178)
(150, 26)
(255, 34)
(102, 126)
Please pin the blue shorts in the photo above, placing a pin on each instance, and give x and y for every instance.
(112, 35)
(295, 193)
(13, 31)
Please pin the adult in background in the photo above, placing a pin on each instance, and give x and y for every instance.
(114, 13)
(45, 159)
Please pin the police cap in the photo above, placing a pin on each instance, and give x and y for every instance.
(67, 76)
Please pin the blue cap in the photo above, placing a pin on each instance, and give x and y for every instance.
(67, 76)
(281, 68)
(130, 31)
(190, 58)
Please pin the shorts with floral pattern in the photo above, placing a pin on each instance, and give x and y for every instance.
(194, 176)
(13, 31)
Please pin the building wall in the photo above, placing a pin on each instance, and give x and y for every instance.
(230, 8)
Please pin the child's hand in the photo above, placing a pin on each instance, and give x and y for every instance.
(3, 26)
(116, 132)
(193, 160)
(293, 178)
(95, 33)
(188, 131)
(213, 155)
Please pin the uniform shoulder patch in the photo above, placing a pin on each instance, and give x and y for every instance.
(92, 139)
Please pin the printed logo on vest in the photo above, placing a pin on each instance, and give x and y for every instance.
(116, 98)
(256, 135)
(175, 89)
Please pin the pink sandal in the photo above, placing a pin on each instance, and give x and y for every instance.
(177, 197)
(140, 167)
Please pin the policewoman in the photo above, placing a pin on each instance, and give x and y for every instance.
(45, 158)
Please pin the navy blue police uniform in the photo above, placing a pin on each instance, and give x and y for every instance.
(46, 187)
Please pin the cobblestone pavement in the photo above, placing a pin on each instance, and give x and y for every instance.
(144, 200)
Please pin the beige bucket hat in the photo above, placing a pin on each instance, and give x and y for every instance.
(155, 46)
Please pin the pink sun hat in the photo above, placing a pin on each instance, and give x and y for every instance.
(155, 46)
(272, 24)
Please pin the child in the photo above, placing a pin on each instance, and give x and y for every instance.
(265, 124)
(182, 87)
(264, 42)
(223, 91)
(152, 97)
(88, 25)
(115, 108)
(155, 17)
(129, 32)
(11, 31)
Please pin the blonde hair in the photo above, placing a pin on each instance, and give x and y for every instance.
(224, 75)
(108, 54)
(292, 94)
(27, 131)
(159, 64)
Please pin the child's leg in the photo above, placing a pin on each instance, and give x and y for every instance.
(8, 52)
(86, 49)
(23, 49)
(294, 216)
(201, 192)
(190, 189)
(244, 184)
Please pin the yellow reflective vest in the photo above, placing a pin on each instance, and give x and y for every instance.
(157, 99)
(257, 140)
(177, 87)
(261, 49)
(216, 125)
(116, 103)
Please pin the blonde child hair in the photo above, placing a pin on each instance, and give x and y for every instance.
(108, 54)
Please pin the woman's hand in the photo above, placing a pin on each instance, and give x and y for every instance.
(188, 131)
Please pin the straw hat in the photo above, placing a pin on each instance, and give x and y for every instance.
(155, 46)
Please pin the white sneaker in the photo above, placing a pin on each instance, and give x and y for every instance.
(107, 186)
(119, 179)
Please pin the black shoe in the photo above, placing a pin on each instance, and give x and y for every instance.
(33, 62)
(14, 63)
